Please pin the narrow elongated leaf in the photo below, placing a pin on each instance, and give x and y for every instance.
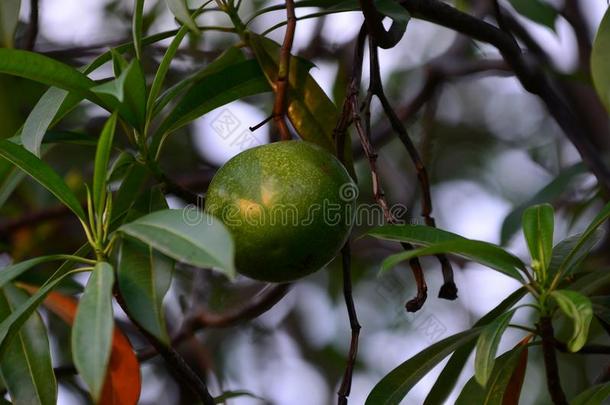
(48, 71)
(203, 243)
(397, 384)
(222, 398)
(484, 253)
(449, 376)
(493, 393)
(136, 27)
(576, 250)
(595, 395)
(93, 328)
(228, 58)
(130, 91)
(132, 185)
(9, 17)
(487, 347)
(11, 325)
(547, 194)
(579, 246)
(26, 366)
(144, 275)
(515, 384)
(40, 119)
(44, 116)
(538, 226)
(211, 91)
(102, 156)
(579, 309)
(439, 241)
(11, 272)
(41, 172)
(9, 182)
(181, 12)
(600, 61)
(123, 383)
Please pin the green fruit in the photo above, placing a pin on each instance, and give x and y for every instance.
(289, 206)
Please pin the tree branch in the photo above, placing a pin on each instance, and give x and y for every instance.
(529, 74)
(282, 81)
(545, 329)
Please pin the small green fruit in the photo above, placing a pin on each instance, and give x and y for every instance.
(289, 206)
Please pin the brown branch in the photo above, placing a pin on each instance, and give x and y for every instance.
(545, 329)
(346, 382)
(33, 25)
(531, 76)
(178, 366)
(282, 81)
(352, 115)
(449, 289)
(373, 20)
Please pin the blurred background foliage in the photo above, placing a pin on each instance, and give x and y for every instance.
(489, 147)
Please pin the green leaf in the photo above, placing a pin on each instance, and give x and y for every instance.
(538, 225)
(537, 10)
(579, 309)
(40, 119)
(231, 56)
(397, 384)
(547, 194)
(136, 27)
(9, 18)
(309, 109)
(102, 156)
(493, 392)
(203, 243)
(11, 325)
(211, 91)
(221, 399)
(439, 241)
(41, 172)
(576, 250)
(144, 276)
(600, 61)
(93, 328)
(48, 71)
(132, 185)
(11, 272)
(594, 395)
(581, 245)
(26, 366)
(448, 378)
(484, 253)
(181, 12)
(487, 347)
(9, 180)
(129, 89)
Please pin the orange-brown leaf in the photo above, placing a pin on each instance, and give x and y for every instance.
(513, 389)
(123, 382)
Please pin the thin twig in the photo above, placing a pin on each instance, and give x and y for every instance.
(352, 115)
(449, 289)
(346, 382)
(282, 81)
